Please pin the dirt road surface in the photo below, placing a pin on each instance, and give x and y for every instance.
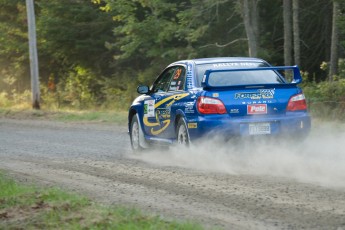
(226, 187)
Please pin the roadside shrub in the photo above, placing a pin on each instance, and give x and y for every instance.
(49, 98)
(76, 89)
(14, 99)
(4, 100)
(326, 99)
(21, 98)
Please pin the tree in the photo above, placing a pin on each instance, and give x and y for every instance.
(72, 41)
(213, 28)
(296, 36)
(111, 46)
(287, 32)
(334, 45)
(250, 19)
(14, 56)
(74, 33)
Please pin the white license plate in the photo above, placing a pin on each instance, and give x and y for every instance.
(259, 128)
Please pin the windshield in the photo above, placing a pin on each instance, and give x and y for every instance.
(238, 77)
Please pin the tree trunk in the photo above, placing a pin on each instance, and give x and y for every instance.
(287, 32)
(296, 37)
(255, 19)
(250, 18)
(334, 43)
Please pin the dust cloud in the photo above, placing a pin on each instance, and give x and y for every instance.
(320, 159)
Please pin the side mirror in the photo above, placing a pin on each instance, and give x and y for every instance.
(143, 89)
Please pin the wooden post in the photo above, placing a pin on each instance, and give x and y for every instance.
(33, 55)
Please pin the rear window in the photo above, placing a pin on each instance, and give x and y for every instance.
(238, 77)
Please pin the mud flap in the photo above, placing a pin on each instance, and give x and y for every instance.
(142, 141)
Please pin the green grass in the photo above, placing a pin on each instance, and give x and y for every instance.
(117, 117)
(27, 207)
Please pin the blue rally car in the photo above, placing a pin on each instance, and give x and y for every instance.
(218, 96)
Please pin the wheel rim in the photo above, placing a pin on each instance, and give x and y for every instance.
(135, 135)
(182, 137)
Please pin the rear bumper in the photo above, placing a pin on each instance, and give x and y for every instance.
(296, 124)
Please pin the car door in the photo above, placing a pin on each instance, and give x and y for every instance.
(157, 108)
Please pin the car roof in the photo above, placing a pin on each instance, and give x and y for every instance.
(199, 61)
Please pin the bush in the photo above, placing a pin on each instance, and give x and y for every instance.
(4, 100)
(15, 99)
(326, 99)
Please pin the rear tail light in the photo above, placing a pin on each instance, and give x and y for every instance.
(208, 105)
(296, 103)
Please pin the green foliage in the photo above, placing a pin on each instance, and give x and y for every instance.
(4, 100)
(332, 92)
(74, 33)
(55, 209)
(97, 51)
(14, 98)
(75, 90)
(13, 45)
(326, 99)
(147, 31)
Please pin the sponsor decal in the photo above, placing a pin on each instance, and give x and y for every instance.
(165, 125)
(192, 125)
(163, 113)
(149, 108)
(145, 109)
(235, 64)
(161, 118)
(257, 109)
(189, 76)
(189, 107)
(234, 111)
(260, 94)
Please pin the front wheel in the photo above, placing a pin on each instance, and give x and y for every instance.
(182, 133)
(134, 134)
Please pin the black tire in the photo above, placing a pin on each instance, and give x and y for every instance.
(182, 135)
(134, 134)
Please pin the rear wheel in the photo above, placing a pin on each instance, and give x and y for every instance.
(182, 133)
(134, 134)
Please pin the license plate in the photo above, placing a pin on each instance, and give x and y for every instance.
(259, 128)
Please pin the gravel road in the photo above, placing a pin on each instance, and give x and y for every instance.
(257, 186)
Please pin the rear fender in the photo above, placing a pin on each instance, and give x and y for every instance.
(179, 114)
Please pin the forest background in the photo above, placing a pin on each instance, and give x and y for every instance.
(94, 53)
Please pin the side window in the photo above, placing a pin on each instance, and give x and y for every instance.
(178, 80)
(162, 83)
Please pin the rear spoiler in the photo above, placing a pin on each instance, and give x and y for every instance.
(297, 78)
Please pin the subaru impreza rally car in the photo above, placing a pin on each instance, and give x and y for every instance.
(218, 96)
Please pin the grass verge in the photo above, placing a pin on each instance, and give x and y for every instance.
(27, 207)
(117, 117)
